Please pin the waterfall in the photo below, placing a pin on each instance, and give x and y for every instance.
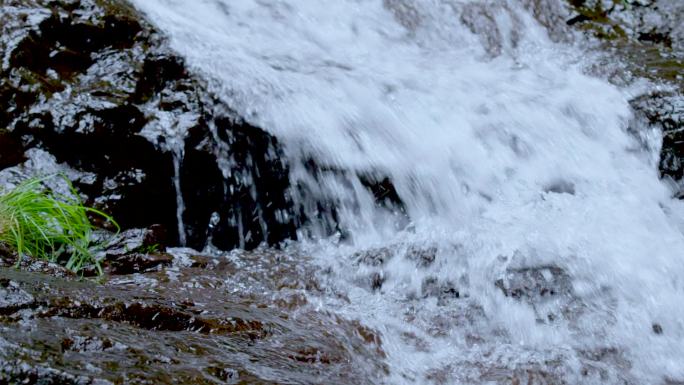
(180, 203)
(536, 231)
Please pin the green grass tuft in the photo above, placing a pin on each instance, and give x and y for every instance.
(45, 225)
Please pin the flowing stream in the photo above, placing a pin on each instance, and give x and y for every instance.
(534, 234)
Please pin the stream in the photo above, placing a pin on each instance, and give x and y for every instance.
(474, 199)
(532, 231)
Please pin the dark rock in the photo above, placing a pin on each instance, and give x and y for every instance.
(156, 237)
(136, 263)
(443, 291)
(528, 373)
(258, 167)
(384, 192)
(224, 374)
(377, 279)
(96, 86)
(11, 150)
(157, 73)
(480, 19)
(665, 111)
(8, 259)
(653, 23)
(533, 283)
(152, 317)
(374, 257)
(424, 256)
(133, 241)
(136, 251)
(202, 261)
(13, 298)
(547, 290)
(560, 187)
(318, 216)
(144, 329)
(647, 39)
(657, 329)
(655, 37)
(86, 344)
(13, 372)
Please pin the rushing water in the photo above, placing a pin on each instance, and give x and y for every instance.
(515, 168)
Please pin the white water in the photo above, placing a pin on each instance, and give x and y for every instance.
(475, 115)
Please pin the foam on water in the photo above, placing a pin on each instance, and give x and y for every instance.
(507, 157)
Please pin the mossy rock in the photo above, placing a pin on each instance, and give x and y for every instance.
(648, 38)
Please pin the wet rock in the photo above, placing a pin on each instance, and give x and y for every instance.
(136, 251)
(647, 39)
(76, 66)
(86, 344)
(546, 289)
(136, 263)
(424, 256)
(374, 257)
(22, 373)
(95, 85)
(156, 237)
(377, 279)
(499, 374)
(598, 360)
(652, 22)
(13, 298)
(312, 356)
(665, 111)
(224, 374)
(534, 283)
(8, 259)
(481, 20)
(443, 291)
(524, 376)
(152, 317)
(134, 240)
(560, 187)
(11, 150)
(252, 195)
(233, 323)
(132, 251)
(202, 261)
(384, 192)
(318, 216)
(657, 329)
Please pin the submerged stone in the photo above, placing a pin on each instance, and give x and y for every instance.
(180, 325)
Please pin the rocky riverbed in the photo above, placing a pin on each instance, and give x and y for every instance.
(242, 318)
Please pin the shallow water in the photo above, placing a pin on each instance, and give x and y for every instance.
(237, 319)
(539, 240)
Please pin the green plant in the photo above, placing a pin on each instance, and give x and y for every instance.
(150, 249)
(46, 225)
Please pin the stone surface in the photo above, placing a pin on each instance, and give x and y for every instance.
(237, 319)
(647, 38)
(94, 84)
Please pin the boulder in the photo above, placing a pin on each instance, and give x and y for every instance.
(95, 85)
